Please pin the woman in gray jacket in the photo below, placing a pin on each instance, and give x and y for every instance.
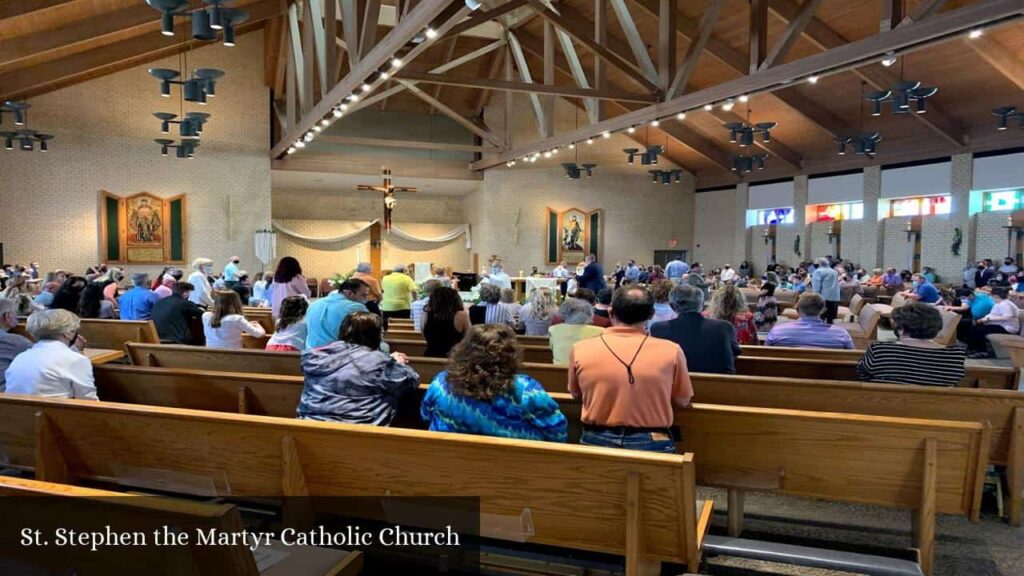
(351, 380)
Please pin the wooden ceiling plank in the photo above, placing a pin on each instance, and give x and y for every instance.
(916, 36)
(330, 22)
(875, 74)
(595, 108)
(420, 16)
(999, 57)
(739, 62)
(320, 40)
(793, 31)
(696, 48)
(577, 28)
(444, 109)
(350, 27)
(667, 42)
(113, 57)
(525, 87)
(369, 35)
(548, 129)
(309, 54)
(12, 8)
(482, 17)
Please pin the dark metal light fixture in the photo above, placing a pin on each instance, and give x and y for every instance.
(168, 10)
(666, 177)
(17, 109)
(576, 171)
(901, 96)
(743, 133)
(205, 23)
(746, 164)
(26, 140)
(184, 149)
(1007, 113)
(197, 89)
(863, 144)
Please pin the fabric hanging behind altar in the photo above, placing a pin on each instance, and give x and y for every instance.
(444, 238)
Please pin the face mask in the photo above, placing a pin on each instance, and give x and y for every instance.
(981, 266)
(496, 270)
(235, 261)
(916, 283)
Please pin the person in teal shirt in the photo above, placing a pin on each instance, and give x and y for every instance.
(974, 304)
(324, 317)
(483, 392)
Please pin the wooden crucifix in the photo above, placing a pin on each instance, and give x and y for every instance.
(388, 189)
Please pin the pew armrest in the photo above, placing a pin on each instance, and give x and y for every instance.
(811, 557)
(704, 511)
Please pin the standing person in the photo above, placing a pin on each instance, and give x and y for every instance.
(922, 290)
(1009, 267)
(676, 269)
(767, 311)
(729, 304)
(629, 383)
(535, 316)
(696, 279)
(709, 345)
(728, 275)
(203, 293)
(54, 367)
(164, 289)
(241, 286)
(632, 272)
(497, 276)
(364, 272)
(445, 322)
(419, 305)
(483, 391)
(562, 273)
(985, 272)
(175, 316)
(290, 331)
(593, 275)
(1002, 319)
(577, 316)
(288, 281)
(399, 291)
(662, 309)
(825, 281)
(968, 275)
(351, 380)
(225, 325)
(809, 331)
(324, 317)
(259, 291)
(915, 358)
(231, 272)
(137, 303)
(10, 344)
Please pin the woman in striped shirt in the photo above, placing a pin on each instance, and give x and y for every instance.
(914, 358)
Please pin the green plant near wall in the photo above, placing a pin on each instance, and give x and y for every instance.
(338, 278)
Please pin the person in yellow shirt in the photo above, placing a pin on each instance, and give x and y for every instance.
(578, 315)
(399, 291)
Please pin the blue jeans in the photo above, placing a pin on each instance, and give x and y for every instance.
(628, 440)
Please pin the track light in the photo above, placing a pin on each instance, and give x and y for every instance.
(728, 105)
(396, 62)
(631, 129)
(300, 144)
(343, 107)
(547, 154)
(215, 17)
(744, 98)
(167, 24)
(229, 36)
(325, 122)
(338, 113)
(655, 123)
(431, 33)
(317, 128)
(292, 149)
(889, 60)
(606, 134)
(976, 33)
(708, 107)
(1004, 114)
(572, 146)
(384, 75)
(308, 137)
(590, 140)
(365, 87)
(812, 79)
(353, 98)
(681, 116)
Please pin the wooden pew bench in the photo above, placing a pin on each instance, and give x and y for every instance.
(47, 506)
(531, 353)
(403, 334)
(112, 334)
(640, 506)
(785, 455)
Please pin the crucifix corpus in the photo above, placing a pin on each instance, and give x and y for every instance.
(388, 189)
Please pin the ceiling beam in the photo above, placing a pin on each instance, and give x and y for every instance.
(549, 79)
(54, 74)
(739, 63)
(636, 43)
(525, 87)
(448, 54)
(368, 37)
(577, 28)
(418, 18)
(696, 48)
(492, 72)
(905, 38)
(479, 18)
(875, 75)
(925, 9)
(595, 108)
(516, 51)
(758, 33)
(444, 109)
(405, 144)
(792, 33)
(667, 42)
(13, 8)
(999, 57)
(350, 30)
(891, 16)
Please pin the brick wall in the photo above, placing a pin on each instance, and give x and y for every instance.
(105, 131)
(715, 231)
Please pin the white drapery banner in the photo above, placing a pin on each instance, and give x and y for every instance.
(266, 246)
(442, 239)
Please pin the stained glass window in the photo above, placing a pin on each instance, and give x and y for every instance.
(922, 206)
(833, 212)
(775, 216)
(1003, 200)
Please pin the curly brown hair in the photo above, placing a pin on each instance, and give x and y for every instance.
(485, 363)
(660, 290)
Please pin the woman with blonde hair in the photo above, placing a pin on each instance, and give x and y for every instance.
(225, 325)
(729, 304)
(483, 391)
(535, 316)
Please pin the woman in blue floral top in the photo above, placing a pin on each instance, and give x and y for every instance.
(482, 392)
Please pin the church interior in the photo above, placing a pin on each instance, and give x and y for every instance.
(655, 287)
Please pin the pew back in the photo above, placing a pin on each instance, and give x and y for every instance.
(612, 501)
(113, 334)
(178, 356)
(531, 353)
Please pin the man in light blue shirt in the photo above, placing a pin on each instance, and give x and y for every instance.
(922, 290)
(137, 303)
(231, 272)
(324, 317)
(632, 272)
(825, 281)
(675, 270)
(498, 277)
(809, 331)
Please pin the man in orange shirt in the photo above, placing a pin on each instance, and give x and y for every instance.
(364, 272)
(629, 382)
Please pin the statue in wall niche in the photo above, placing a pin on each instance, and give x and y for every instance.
(958, 238)
(796, 245)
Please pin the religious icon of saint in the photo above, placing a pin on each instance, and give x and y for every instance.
(572, 235)
(144, 222)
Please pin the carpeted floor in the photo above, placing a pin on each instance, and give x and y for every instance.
(989, 548)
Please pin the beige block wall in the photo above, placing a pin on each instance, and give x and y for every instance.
(105, 131)
(715, 229)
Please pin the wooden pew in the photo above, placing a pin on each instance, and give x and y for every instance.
(261, 315)
(47, 506)
(784, 455)
(531, 353)
(638, 505)
(178, 356)
(278, 395)
(111, 334)
(403, 334)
